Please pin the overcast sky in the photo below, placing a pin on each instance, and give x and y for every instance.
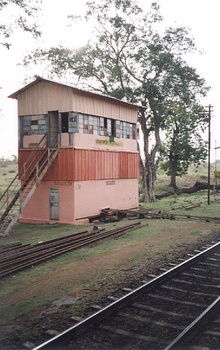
(202, 16)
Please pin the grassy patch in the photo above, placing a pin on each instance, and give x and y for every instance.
(21, 308)
(76, 271)
(195, 233)
(178, 204)
(90, 272)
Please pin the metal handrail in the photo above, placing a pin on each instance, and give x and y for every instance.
(34, 176)
(40, 164)
(26, 166)
(38, 172)
(31, 181)
(22, 168)
(15, 183)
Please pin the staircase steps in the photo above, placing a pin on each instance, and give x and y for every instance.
(22, 187)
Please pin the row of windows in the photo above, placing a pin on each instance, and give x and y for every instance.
(82, 123)
(87, 124)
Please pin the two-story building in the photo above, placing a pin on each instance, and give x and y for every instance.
(96, 165)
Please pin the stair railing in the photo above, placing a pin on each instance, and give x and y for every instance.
(38, 173)
(31, 183)
(11, 194)
(28, 178)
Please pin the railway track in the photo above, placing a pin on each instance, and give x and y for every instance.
(19, 257)
(179, 309)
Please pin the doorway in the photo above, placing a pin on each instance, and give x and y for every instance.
(53, 129)
(54, 203)
(64, 123)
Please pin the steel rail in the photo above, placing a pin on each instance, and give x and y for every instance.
(194, 327)
(123, 301)
(65, 247)
(39, 246)
(59, 242)
(48, 252)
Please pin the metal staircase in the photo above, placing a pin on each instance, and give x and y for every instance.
(22, 187)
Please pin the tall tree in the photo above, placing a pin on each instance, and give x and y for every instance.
(183, 144)
(132, 57)
(17, 14)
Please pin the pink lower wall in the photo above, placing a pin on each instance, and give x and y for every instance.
(37, 209)
(92, 196)
(80, 199)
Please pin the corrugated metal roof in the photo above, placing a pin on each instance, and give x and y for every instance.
(88, 93)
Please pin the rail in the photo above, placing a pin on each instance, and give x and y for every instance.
(114, 308)
(193, 328)
(24, 257)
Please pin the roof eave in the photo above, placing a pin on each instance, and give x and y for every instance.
(39, 79)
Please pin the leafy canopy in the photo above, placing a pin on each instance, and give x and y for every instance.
(184, 144)
(131, 55)
(17, 14)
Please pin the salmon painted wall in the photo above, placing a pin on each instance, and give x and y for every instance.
(102, 142)
(80, 199)
(38, 208)
(31, 141)
(92, 196)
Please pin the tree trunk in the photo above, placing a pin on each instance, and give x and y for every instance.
(150, 162)
(173, 179)
(149, 179)
(173, 169)
(173, 176)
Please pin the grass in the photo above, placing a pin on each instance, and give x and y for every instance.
(33, 234)
(97, 263)
(8, 169)
(194, 174)
(195, 233)
(92, 272)
(176, 205)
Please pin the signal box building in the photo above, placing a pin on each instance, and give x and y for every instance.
(93, 142)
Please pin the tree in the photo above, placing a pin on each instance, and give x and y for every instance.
(25, 10)
(183, 143)
(131, 57)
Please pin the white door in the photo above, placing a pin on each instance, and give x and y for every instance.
(54, 203)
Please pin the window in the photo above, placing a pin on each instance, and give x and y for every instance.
(34, 125)
(73, 122)
(101, 126)
(88, 124)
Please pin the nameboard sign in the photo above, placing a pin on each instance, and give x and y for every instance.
(63, 183)
(110, 182)
(109, 143)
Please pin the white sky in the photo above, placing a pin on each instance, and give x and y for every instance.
(202, 16)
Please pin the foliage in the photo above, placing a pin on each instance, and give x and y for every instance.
(25, 10)
(183, 143)
(132, 57)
